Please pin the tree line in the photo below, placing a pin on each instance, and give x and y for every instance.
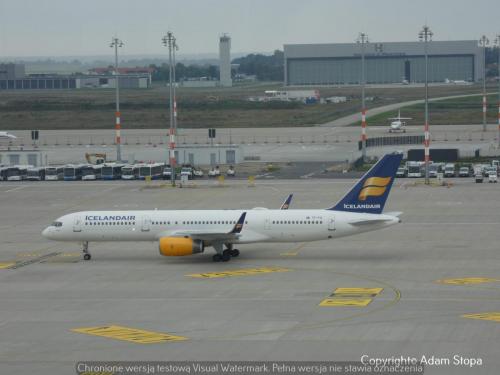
(264, 67)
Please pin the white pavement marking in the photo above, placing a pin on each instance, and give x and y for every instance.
(16, 188)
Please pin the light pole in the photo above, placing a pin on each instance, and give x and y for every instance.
(497, 43)
(115, 42)
(363, 40)
(169, 41)
(174, 48)
(425, 35)
(483, 42)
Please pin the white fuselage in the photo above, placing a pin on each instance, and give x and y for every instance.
(260, 225)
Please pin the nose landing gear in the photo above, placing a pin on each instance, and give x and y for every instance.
(85, 250)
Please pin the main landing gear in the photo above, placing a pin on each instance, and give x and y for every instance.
(226, 255)
(85, 250)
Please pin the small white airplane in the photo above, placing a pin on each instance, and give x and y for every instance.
(187, 232)
(457, 82)
(5, 135)
(398, 123)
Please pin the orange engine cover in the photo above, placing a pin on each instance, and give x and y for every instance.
(179, 246)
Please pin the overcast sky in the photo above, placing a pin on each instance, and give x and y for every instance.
(82, 28)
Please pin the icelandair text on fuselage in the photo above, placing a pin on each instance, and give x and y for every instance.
(109, 217)
(456, 360)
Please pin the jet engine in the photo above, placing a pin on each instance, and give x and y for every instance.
(180, 246)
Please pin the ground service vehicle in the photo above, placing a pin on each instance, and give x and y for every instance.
(187, 171)
(401, 172)
(154, 170)
(464, 172)
(111, 171)
(54, 173)
(72, 172)
(449, 170)
(36, 174)
(493, 177)
(214, 172)
(91, 172)
(129, 172)
(17, 172)
(414, 169)
(167, 172)
(230, 172)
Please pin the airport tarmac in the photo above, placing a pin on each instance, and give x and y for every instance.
(413, 282)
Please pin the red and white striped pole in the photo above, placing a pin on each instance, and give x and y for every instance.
(485, 107)
(363, 39)
(363, 132)
(115, 42)
(171, 146)
(118, 127)
(427, 142)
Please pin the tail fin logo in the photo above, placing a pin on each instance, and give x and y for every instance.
(374, 187)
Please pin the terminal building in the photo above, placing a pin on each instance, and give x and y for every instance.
(392, 62)
(13, 77)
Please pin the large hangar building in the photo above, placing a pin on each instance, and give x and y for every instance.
(392, 62)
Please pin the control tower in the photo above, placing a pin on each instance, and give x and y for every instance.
(225, 61)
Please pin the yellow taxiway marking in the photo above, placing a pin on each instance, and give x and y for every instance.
(357, 292)
(242, 272)
(493, 316)
(5, 265)
(26, 255)
(138, 336)
(294, 251)
(467, 281)
(351, 297)
(348, 302)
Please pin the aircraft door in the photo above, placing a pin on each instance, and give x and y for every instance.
(146, 222)
(77, 224)
(267, 224)
(331, 223)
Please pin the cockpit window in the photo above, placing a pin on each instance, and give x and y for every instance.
(57, 224)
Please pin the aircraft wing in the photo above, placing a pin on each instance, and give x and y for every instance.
(369, 222)
(210, 235)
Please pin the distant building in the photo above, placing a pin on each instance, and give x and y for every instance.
(13, 77)
(391, 62)
(225, 61)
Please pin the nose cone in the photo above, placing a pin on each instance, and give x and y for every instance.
(47, 233)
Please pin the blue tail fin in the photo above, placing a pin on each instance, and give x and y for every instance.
(371, 191)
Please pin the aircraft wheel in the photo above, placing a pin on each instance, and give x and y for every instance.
(226, 255)
(235, 252)
(87, 257)
(217, 258)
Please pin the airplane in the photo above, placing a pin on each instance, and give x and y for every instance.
(187, 232)
(397, 124)
(5, 135)
(457, 82)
